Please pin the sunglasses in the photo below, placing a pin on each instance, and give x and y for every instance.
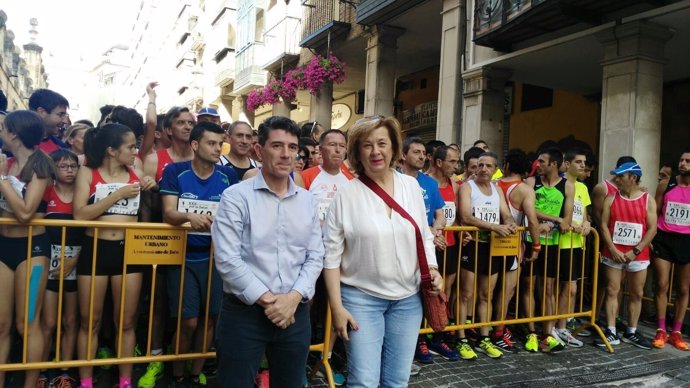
(370, 118)
(300, 157)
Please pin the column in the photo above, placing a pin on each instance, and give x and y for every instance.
(631, 99)
(483, 106)
(227, 102)
(379, 89)
(244, 114)
(281, 108)
(449, 121)
(321, 106)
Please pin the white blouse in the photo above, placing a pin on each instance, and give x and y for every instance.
(376, 253)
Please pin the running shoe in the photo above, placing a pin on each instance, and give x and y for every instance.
(63, 381)
(338, 378)
(568, 338)
(637, 339)
(487, 347)
(573, 324)
(262, 379)
(104, 352)
(422, 353)
(549, 344)
(556, 335)
(503, 341)
(676, 339)
(415, 369)
(154, 372)
(472, 334)
(465, 350)
(660, 339)
(442, 349)
(532, 343)
(612, 338)
(178, 382)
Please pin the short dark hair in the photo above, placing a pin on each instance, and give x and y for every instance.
(441, 153)
(516, 162)
(411, 140)
(480, 141)
(625, 159)
(490, 154)
(64, 153)
(275, 123)
(28, 126)
(204, 126)
(472, 153)
(46, 99)
(86, 122)
(129, 117)
(431, 145)
(322, 138)
(555, 155)
(573, 152)
(105, 111)
(172, 114)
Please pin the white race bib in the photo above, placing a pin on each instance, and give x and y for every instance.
(71, 252)
(18, 186)
(578, 213)
(677, 213)
(627, 233)
(125, 206)
(197, 206)
(449, 212)
(488, 214)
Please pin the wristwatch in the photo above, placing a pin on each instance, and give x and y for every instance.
(636, 251)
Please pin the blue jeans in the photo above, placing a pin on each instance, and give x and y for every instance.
(244, 334)
(380, 353)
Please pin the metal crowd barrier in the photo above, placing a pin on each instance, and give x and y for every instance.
(507, 248)
(146, 244)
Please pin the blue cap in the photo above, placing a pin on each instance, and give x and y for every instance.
(630, 167)
(208, 112)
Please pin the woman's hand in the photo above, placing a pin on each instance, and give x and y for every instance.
(148, 183)
(4, 166)
(128, 191)
(343, 322)
(436, 281)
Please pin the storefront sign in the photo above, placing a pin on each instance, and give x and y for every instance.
(421, 116)
(154, 246)
(340, 115)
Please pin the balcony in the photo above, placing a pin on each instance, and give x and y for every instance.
(225, 67)
(500, 24)
(324, 18)
(248, 74)
(281, 43)
(370, 12)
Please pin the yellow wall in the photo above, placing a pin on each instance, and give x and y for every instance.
(416, 96)
(570, 114)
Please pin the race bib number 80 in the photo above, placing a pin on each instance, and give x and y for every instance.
(125, 206)
(627, 233)
(449, 212)
(677, 213)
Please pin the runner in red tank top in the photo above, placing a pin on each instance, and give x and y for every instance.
(628, 227)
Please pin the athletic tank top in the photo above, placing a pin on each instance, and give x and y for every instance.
(485, 207)
(241, 171)
(163, 160)
(549, 200)
(610, 187)
(19, 188)
(628, 224)
(449, 209)
(675, 210)
(515, 211)
(57, 209)
(100, 189)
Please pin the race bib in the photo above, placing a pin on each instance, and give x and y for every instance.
(677, 213)
(197, 206)
(71, 252)
(578, 213)
(487, 214)
(627, 233)
(125, 206)
(449, 212)
(18, 186)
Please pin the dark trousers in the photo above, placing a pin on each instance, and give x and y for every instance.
(244, 334)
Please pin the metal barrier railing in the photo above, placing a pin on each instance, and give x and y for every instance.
(507, 249)
(146, 244)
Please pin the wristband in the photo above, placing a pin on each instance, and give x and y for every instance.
(152, 103)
